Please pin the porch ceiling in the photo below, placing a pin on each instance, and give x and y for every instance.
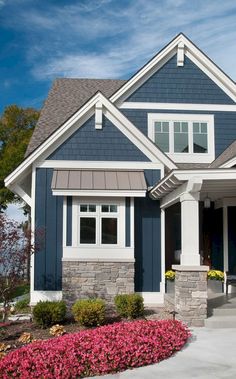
(217, 189)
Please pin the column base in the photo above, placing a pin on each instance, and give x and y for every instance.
(191, 294)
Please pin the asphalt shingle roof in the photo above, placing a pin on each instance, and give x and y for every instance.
(228, 153)
(65, 98)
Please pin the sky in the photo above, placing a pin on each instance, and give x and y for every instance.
(41, 40)
(44, 39)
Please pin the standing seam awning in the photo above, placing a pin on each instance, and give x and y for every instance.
(97, 180)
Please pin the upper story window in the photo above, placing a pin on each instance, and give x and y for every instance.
(184, 137)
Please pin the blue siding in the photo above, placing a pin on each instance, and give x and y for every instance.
(187, 84)
(127, 221)
(107, 144)
(152, 177)
(232, 238)
(147, 245)
(69, 221)
(48, 219)
(225, 124)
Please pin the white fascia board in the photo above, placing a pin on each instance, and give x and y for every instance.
(206, 174)
(100, 165)
(99, 193)
(127, 128)
(179, 106)
(192, 52)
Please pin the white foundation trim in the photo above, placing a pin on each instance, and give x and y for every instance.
(179, 106)
(152, 298)
(190, 268)
(37, 296)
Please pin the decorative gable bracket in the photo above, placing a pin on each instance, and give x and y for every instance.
(98, 115)
(180, 54)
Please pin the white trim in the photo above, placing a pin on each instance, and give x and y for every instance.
(37, 296)
(225, 238)
(189, 157)
(152, 298)
(132, 222)
(180, 54)
(225, 202)
(100, 253)
(32, 266)
(122, 123)
(64, 221)
(163, 251)
(98, 260)
(192, 52)
(229, 163)
(99, 193)
(20, 192)
(98, 115)
(100, 165)
(179, 106)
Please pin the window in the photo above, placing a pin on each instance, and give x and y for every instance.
(184, 137)
(98, 224)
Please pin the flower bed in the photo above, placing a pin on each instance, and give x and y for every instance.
(98, 351)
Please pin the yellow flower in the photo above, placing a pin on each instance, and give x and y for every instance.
(170, 275)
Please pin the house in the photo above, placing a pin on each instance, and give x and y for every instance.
(129, 178)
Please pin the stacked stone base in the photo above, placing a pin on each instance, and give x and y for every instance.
(191, 294)
(90, 279)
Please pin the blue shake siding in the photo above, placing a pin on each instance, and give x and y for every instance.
(173, 84)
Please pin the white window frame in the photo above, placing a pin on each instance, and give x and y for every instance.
(189, 157)
(99, 215)
(95, 252)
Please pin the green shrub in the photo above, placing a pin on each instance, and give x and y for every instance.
(22, 305)
(48, 313)
(89, 312)
(129, 305)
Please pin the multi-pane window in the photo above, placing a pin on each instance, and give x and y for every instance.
(162, 135)
(98, 224)
(180, 136)
(200, 137)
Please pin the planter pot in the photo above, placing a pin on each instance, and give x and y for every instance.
(215, 286)
(170, 286)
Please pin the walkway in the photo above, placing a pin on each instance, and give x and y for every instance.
(210, 355)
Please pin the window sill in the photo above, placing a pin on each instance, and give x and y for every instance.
(191, 158)
(102, 253)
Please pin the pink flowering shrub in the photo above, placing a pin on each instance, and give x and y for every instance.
(98, 351)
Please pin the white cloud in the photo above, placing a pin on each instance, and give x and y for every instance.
(106, 38)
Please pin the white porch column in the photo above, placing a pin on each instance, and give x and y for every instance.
(190, 229)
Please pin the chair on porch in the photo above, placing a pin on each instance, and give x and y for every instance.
(230, 280)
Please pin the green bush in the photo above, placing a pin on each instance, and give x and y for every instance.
(48, 313)
(89, 312)
(129, 305)
(22, 305)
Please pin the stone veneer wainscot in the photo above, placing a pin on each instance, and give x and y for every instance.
(94, 278)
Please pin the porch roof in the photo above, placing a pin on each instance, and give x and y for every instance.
(216, 183)
(95, 182)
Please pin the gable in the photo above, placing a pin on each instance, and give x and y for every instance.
(106, 144)
(180, 84)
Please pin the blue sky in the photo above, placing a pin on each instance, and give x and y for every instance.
(44, 39)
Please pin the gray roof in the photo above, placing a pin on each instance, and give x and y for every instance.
(65, 98)
(227, 154)
(98, 180)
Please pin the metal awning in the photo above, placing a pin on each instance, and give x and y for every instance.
(98, 182)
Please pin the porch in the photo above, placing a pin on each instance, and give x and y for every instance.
(198, 233)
